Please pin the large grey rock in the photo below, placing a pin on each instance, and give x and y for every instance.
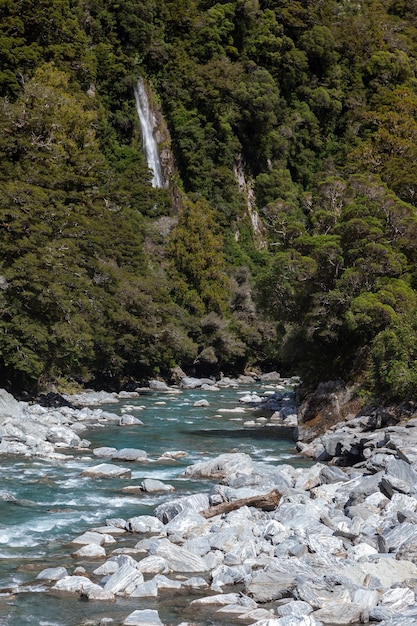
(81, 585)
(381, 614)
(224, 539)
(52, 573)
(398, 599)
(130, 454)
(310, 478)
(93, 537)
(14, 447)
(109, 567)
(91, 398)
(90, 551)
(143, 617)
(117, 523)
(401, 535)
(290, 620)
(230, 575)
(114, 563)
(270, 377)
(221, 466)
(71, 584)
(167, 584)
(177, 558)
(302, 516)
(364, 486)
(95, 592)
(201, 403)
(243, 551)
(12, 431)
(297, 608)
(148, 589)
(387, 570)
(365, 598)
(273, 531)
(168, 510)
(158, 385)
(124, 581)
(198, 545)
(332, 474)
(152, 485)
(107, 470)
(318, 593)
(402, 470)
(401, 503)
(336, 613)
(144, 524)
(104, 452)
(390, 485)
(227, 382)
(191, 383)
(129, 420)
(185, 522)
(239, 614)
(361, 550)
(406, 618)
(195, 582)
(153, 564)
(63, 435)
(266, 586)
(9, 407)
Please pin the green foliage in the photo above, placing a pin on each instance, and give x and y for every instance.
(196, 250)
(79, 298)
(393, 358)
(316, 99)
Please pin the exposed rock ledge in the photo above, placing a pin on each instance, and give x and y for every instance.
(331, 403)
(334, 426)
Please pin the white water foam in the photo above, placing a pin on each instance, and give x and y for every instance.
(150, 145)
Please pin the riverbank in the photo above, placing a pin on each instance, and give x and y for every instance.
(340, 547)
(33, 429)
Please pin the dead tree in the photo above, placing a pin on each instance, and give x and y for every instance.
(268, 502)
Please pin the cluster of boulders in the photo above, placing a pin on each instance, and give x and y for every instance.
(340, 547)
(31, 429)
(367, 440)
(275, 409)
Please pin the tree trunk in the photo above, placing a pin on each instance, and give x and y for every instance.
(268, 502)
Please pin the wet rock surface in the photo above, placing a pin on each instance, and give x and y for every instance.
(332, 551)
(339, 548)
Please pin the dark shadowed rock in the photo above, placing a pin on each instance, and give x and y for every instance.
(332, 402)
(52, 399)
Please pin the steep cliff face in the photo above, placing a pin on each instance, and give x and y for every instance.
(330, 403)
(246, 188)
(157, 143)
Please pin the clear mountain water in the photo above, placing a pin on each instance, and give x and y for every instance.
(55, 504)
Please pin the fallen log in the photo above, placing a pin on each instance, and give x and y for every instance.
(267, 502)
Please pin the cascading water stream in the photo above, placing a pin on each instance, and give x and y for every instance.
(150, 145)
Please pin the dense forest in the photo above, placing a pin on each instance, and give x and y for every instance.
(286, 233)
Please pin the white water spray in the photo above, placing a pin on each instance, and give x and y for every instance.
(150, 146)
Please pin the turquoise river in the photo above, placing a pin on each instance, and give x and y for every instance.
(55, 504)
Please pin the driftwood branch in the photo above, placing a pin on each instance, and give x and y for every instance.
(268, 502)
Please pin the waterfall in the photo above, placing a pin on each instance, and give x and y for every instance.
(147, 124)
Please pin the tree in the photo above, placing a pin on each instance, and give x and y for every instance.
(196, 250)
